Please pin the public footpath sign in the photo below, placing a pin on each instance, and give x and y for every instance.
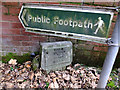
(78, 23)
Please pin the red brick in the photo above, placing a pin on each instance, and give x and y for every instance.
(7, 38)
(5, 25)
(12, 49)
(4, 9)
(0, 35)
(70, 4)
(116, 3)
(35, 48)
(12, 43)
(104, 3)
(111, 29)
(23, 32)
(20, 4)
(26, 43)
(16, 25)
(102, 49)
(10, 18)
(38, 38)
(14, 10)
(96, 44)
(24, 48)
(11, 31)
(7, 48)
(96, 54)
(0, 17)
(21, 38)
(116, 13)
(114, 18)
(10, 3)
(49, 3)
(25, 1)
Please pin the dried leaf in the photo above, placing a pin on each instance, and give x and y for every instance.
(52, 75)
(13, 61)
(28, 64)
(7, 71)
(73, 79)
(66, 76)
(31, 76)
(54, 84)
(20, 79)
(9, 85)
(24, 69)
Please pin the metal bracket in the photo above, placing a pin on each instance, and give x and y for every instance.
(118, 9)
(111, 43)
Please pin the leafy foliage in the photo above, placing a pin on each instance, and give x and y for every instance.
(114, 82)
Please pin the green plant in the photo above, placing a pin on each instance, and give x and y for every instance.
(47, 84)
(114, 83)
(6, 58)
(20, 59)
(111, 84)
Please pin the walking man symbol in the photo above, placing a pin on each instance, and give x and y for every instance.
(100, 25)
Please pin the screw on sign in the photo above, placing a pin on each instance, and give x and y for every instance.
(81, 23)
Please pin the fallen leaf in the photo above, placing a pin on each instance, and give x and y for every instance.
(13, 61)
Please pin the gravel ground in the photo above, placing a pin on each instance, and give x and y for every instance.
(13, 75)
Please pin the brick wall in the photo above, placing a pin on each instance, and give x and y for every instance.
(14, 37)
(16, 40)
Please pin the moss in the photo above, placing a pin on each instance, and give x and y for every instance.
(6, 58)
(20, 59)
(89, 58)
(80, 57)
(6, 13)
(81, 41)
(15, 14)
(88, 53)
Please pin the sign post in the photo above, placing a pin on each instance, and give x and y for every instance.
(111, 55)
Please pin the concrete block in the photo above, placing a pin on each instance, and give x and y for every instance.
(56, 55)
